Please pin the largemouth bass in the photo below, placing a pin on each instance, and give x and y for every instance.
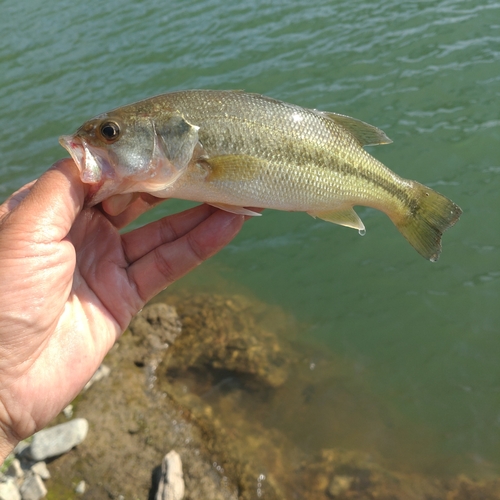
(235, 150)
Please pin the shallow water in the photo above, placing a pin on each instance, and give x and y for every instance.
(420, 338)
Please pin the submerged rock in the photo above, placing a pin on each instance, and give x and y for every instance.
(154, 329)
(221, 334)
(58, 439)
(339, 485)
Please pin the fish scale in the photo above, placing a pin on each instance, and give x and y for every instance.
(236, 150)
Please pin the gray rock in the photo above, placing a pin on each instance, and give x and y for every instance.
(171, 485)
(58, 439)
(33, 488)
(40, 468)
(9, 490)
(80, 488)
(102, 372)
(15, 470)
(68, 411)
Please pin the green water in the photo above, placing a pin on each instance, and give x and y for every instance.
(422, 339)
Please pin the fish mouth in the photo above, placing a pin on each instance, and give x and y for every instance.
(94, 165)
(75, 148)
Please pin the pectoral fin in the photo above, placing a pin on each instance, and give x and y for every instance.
(365, 134)
(344, 217)
(234, 209)
(234, 167)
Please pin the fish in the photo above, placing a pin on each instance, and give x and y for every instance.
(240, 151)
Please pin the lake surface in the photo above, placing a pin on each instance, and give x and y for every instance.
(422, 339)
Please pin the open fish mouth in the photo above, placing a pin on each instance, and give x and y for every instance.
(94, 165)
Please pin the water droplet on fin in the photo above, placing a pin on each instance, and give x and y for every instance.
(362, 232)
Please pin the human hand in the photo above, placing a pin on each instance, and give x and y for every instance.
(70, 284)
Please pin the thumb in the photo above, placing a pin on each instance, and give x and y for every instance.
(47, 208)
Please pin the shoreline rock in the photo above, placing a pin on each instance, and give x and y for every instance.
(25, 475)
(171, 485)
(59, 439)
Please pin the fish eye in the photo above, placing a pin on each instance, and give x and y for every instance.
(110, 131)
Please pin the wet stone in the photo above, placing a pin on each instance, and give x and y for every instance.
(58, 439)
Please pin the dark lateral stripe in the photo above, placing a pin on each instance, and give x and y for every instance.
(378, 181)
(298, 153)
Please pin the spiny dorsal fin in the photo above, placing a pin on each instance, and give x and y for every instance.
(365, 134)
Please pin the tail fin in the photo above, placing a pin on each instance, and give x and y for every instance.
(424, 223)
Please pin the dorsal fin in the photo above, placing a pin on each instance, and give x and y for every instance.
(365, 134)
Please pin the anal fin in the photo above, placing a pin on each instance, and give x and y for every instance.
(344, 217)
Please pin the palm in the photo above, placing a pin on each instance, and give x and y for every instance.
(70, 283)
